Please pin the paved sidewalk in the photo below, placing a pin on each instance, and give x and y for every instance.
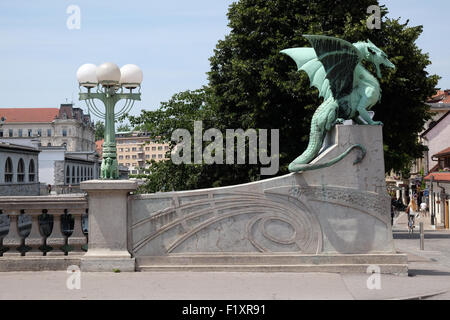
(429, 279)
(218, 286)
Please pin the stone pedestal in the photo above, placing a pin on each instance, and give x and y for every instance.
(107, 247)
(334, 219)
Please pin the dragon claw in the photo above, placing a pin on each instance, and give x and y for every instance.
(339, 121)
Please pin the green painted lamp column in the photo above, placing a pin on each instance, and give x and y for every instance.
(110, 83)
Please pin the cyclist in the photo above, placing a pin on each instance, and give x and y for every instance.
(411, 211)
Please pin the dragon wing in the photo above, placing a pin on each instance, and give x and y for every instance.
(330, 64)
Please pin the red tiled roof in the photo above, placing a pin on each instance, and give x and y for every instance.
(439, 176)
(441, 96)
(29, 114)
(442, 153)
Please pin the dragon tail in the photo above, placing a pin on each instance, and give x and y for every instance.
(324, 118)
(322, 121)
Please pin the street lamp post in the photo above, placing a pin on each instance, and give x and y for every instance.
(110, 84)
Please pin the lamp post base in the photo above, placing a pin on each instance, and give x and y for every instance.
(107, 247)
(120, 261)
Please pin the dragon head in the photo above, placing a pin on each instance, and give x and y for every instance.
(375, 55)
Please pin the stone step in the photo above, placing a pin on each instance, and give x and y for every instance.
(272, 259)
(397, 269)
(38, 263)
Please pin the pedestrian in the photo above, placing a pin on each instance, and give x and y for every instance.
(70, 188)
(392, 211)
(423, 209)
(411, 211)
(49, 188)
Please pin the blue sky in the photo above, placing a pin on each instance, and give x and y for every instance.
(170, 40)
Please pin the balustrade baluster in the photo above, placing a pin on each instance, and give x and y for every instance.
(12, 240)
(56, 239)
(35, 239)
(77, 239)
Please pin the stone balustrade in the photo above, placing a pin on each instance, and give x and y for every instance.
(43, 226)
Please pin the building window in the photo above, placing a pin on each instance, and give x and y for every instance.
(10, 133)
(20, 171)
(30, 132)
(147, 156)
(49, 132)
(68, 175)
(73, 174)
(147, 148)
(134, 156)
(8, 170)
(121, 149)
(64, 132)
(39, 132)
(20, 132)
(159, 148)
(78, 174)
(133, 149)
(153, 148)
(31, 171)
(120, 157)
(160, 156)
(1, 133)
(127, 157)
(49, 144)
(166, 148)
(153, 156)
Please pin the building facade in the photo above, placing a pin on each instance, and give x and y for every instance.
(436, 137)
(65, 170)
(438, 183)
(19, 170)
(135, 150)
(65, 137)
(53, 127)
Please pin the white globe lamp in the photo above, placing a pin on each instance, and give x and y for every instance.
(87, 76)
(130, 76)
(108, 74)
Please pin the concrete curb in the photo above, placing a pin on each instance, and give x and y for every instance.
(422, 296)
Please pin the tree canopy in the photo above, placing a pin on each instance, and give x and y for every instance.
(99, 128)
(252, 85)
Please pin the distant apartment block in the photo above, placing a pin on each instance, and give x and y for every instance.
(136, 149)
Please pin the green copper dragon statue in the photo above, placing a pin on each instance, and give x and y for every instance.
(349, 90)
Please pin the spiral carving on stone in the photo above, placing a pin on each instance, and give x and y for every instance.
(275, 223)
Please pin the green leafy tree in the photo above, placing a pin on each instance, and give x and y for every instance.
(252, 85)
(99, 130)
(123, 128)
